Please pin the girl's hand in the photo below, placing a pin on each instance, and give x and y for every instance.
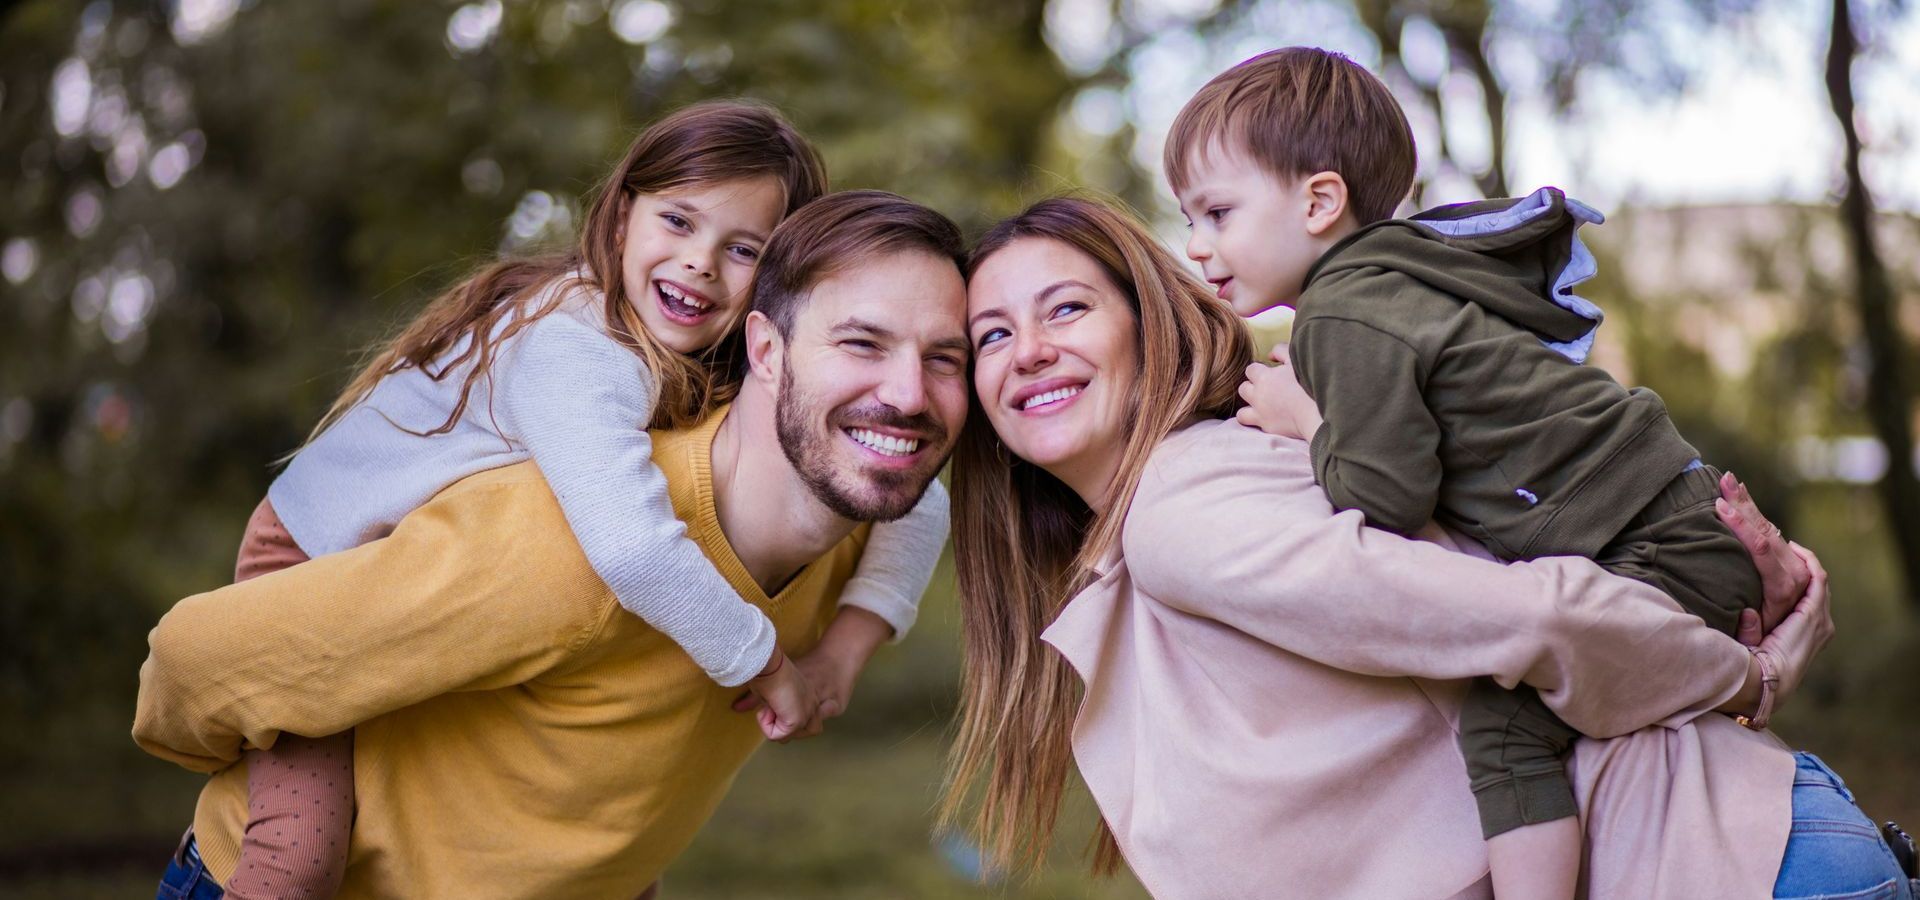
(787, 704)
(1276, 403)
(1783, 574)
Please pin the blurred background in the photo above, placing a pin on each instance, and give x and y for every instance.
(208, 207)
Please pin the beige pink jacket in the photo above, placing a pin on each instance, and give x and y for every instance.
(1272, 693)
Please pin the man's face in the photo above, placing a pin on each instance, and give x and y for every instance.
(873, 384)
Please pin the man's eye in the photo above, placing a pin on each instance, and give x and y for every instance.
(945, 365)
(857, 344)
(992, 335)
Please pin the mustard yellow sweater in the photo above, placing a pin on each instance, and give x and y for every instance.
(516, 733)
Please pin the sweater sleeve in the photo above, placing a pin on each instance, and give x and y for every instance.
(581, 404)
(898, 562)
(467, 594)
(1232, 529)
(1377, 449)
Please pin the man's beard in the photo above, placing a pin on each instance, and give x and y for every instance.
(889, 494)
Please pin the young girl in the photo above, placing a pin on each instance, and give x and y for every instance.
(568, 360)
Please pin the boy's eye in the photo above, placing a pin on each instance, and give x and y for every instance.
(992, 335)
(1217, 213)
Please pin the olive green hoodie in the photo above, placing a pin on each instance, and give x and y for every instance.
(1444, 352)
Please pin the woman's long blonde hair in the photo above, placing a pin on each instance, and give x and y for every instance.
(1024, 542)
(698, 144)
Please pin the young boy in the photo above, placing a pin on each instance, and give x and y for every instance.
(1442, 356)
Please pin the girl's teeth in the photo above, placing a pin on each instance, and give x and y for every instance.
(678, 296)
(1049, 397)
(891, 446)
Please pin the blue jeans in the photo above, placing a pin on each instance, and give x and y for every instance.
(1834, 851)
(187, 877)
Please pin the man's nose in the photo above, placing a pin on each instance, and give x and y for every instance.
(905, 386)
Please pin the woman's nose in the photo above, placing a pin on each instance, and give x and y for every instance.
(1032, 351)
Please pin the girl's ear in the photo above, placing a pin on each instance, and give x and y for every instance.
(765, 349)
(623, 212)
(1326, 197)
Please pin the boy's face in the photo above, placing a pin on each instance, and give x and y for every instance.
(1250, 231)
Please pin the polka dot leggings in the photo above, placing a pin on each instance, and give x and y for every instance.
(300, 793)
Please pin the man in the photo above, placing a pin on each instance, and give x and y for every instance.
(516, 734)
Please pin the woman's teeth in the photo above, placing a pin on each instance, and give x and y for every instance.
(681, 297)
(880, 443)
(1050, 396)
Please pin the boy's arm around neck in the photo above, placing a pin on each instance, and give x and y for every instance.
(480, 589)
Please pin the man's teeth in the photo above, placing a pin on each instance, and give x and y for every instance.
(880, 443)
(678, 296)
(1051, 396)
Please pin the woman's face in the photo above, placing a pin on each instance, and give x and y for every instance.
(1056, 356)
(687, 256)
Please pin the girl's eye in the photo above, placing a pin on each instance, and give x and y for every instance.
(676, 220)
(992, 335)
(744, 252)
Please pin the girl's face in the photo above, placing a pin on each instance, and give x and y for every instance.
(1056, 356)
(687, 256)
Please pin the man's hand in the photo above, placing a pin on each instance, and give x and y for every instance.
(1276, 404)
(835, 664)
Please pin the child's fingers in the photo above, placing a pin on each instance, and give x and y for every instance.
(1282, 355)
(747, 703)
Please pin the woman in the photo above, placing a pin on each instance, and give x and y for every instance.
(1270, 690)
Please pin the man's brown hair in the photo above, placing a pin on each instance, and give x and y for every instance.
(838, 231)
(1296, 111)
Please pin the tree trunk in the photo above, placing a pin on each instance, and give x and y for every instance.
(1889, 404)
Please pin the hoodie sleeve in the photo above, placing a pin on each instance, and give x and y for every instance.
(1377, 450)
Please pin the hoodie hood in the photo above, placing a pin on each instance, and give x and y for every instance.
(1517, 258)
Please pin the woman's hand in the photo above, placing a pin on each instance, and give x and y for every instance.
(1783, 574)
(1787, 651)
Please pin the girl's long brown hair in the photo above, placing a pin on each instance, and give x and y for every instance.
(696, 145)
(1024, 542)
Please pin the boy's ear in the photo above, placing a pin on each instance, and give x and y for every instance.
(765, 349)
(1326, 197)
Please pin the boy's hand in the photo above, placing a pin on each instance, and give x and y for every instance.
(834, 665)
(1276, 403)
(788, 705)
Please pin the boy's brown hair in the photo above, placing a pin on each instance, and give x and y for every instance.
(1297, 111)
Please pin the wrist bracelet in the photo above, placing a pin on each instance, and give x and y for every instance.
(781, 660)
(1769, 687)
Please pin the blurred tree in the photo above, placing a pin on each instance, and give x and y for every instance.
(1889, 390)
(210, 205)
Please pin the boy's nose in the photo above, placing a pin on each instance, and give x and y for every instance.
(1198, 248)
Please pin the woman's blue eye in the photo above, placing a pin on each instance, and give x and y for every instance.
(1065, 308)
(993, 334)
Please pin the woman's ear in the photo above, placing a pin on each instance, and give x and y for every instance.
(1326, 197)
(765, 348)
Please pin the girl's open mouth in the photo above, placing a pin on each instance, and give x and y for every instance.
(681, 304)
